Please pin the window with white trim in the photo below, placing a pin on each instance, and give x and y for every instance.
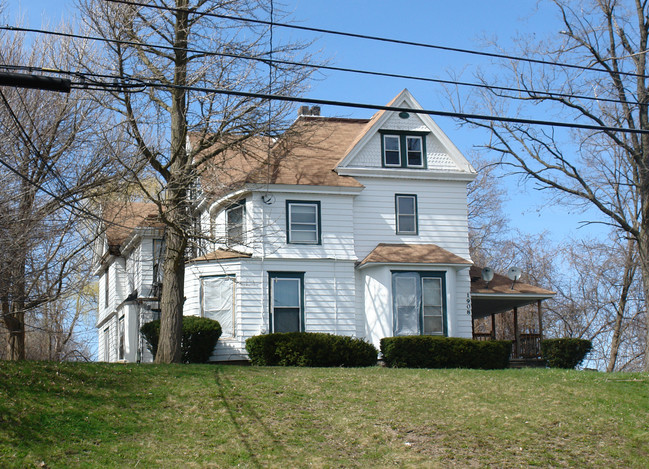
(107, 344)
(235, 224)
(217, 302)
(392, 150)
(419, 307)
(121, 346)
(403, 149)
(287, 301)
(406, 214)
(302, 222)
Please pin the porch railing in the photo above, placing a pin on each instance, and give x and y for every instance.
(529, 347)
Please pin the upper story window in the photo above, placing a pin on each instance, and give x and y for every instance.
(303, 222)
(406, 214)
(235, 224)
(403, 149)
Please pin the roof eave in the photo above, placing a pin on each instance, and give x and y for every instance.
(410, 265)
(408, 174)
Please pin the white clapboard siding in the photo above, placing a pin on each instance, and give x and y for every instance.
(329, 297)
(441, 210)
(269, 229)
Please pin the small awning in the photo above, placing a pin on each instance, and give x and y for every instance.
(221, 255)
(501, 294)
(421, 254)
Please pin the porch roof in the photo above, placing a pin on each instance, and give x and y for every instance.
(501, 294)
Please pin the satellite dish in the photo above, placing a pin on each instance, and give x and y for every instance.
(487, 274)
(268, 199)
(514, 274)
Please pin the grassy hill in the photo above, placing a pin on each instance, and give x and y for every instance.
(113, 415)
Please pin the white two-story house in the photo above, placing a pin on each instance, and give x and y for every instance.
(359, 227)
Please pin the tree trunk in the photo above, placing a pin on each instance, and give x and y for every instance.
(15, 323)
(176, 204)
(172, 298)
(627, 281)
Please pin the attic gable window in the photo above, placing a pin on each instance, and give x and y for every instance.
(403, 149)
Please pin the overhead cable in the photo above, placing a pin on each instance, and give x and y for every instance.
(532, 93)
(380, 38)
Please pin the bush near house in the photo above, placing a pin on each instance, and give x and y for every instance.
(445, 352)
(198, 340)
(310, 349)
(565, 353)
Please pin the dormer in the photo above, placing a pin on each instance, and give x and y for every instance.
(405, 144)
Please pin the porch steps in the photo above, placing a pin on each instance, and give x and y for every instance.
(526, 363)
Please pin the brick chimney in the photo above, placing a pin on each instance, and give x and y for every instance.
(306, 111)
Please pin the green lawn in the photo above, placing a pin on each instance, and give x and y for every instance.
(102, 415)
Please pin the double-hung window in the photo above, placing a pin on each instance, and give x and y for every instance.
(403, 150)
(217, 302)
(235, 224)
(287, 301)
(303, 222)
(406, 214)
(121, 346)
(107, 344)
(419, 307)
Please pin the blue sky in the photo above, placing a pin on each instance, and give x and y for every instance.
(468, 24)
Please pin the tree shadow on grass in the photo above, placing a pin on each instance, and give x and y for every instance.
(238, 410)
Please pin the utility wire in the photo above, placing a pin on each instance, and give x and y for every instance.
(380, 38)
(119, 85)
(534, 94)
(31, 144)
(349, 104)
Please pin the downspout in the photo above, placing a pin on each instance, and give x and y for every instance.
(335, 295)
(265, 328)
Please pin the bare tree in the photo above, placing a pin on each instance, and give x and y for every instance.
(190, 61)
(48, 165)
(488, 224)
(607, 170)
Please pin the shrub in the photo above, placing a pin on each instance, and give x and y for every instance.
(198, 339)
(565, 353)
(445, 352)
(309, 349)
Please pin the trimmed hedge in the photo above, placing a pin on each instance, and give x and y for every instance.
(445, 352)
(310, 349)
(565, 353)
(198, 339)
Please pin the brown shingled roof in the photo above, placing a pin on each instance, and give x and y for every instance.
(221, 254)
(306, 154)
(121, 219)
(412, 254)
(503, 285)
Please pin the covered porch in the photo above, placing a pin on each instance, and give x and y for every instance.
(495, 308)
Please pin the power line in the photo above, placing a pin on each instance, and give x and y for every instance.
(31, 144)
(380, 38)
(349, 104)
(272, 61)
(120, 85)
